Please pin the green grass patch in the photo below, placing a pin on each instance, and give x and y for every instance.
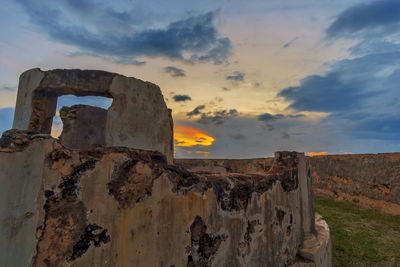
(361, 237)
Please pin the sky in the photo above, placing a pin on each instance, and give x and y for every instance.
(243, 78)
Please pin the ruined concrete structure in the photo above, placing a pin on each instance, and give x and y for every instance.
(371, 180)
(138, 116)
(90, 200)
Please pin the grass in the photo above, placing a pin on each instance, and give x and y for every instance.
(361, 237)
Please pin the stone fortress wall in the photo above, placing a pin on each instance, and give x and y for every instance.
(373, 180)
(99, 199)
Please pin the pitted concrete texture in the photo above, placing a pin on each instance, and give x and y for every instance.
(372, 176)
(318, 248)
(227, 165)
(120, 206)
(138, 117)
(370, 180)
(83, 127)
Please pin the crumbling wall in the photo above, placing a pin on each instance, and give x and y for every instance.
(127, 207)
(138, 117)
(372, 180)
(259, 165)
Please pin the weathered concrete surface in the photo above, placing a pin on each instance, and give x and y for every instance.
(369, 179)
(126, 207)
(138, 117)
(318, 250)
(21, 175)
(84, 127)
(227, 165)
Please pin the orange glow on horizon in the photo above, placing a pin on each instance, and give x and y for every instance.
(187, 136)
(313, 154)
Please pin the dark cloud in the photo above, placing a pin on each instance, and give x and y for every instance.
(106, 32)
(196, 111)
(350, 85)
(217, 117)
(374, 126)
(181, 98)
(244, 136)
(236, 76)
(359, 95)
(6, 118)
(174, 71)
(324, 93)
(375, 18)
(268, 117)
(290, 43)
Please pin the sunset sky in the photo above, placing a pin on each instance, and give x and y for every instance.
(243, 78)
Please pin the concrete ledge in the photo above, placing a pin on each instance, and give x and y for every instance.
(318, 248)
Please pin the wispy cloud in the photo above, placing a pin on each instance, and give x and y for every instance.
(196, 111)
(290, 43)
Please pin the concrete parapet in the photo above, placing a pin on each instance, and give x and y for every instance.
(128, 207)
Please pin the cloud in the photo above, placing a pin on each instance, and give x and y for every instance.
(236, 76)
(360, 95)
(372, 126)
(6, 119)
(244, 136)
(181, 98)
(174, 71)
(324, 93)
(316, 153)
(187, 136)
(351, 84)
(290, 43)
(102, 31)
(376, 18)
(268, 117)
(196, 111)
(217, 117)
